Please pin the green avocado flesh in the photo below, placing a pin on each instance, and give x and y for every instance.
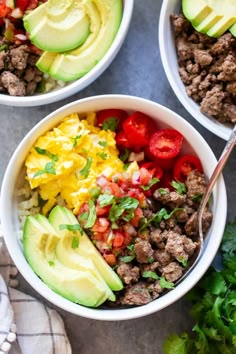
(57, 33)
(66, 260)
(212, 17)
(105, 17)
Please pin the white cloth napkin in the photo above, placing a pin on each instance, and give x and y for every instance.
(26, 325)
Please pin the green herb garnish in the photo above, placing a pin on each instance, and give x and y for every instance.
(76, 138)
(179, 187)
(106, 199)
(103, 155)
(102, 143)
(48, 168)
(110, 124)
(46, 153)
(166, 284)
(85, 170)
(158, 217)
(125, 155)
(150, 184)
(127, 259)
(123, 203)
(92, 215)
(75, 242)
(71, 227)
(84, 216)
(150, 274)
(51, 263)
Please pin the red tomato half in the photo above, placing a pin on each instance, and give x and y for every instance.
(122, 140)
(165, 143)
(138, 128)
(111, 118)
(184, 165)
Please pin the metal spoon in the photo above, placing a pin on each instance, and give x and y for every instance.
(216, 173)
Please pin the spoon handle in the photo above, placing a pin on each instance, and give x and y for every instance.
(217, 171)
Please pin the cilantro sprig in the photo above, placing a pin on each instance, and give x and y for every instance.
(213, 307)
(162, 214)
(49, 166)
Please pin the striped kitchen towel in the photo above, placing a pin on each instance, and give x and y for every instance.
(27, 325)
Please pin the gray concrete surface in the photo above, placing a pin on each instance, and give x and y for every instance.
(137, 70)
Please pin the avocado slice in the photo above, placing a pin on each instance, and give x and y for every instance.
(61, 215)
(79, 286)
(57, 28)
(105, 17)
(66, 254)
(212, 17)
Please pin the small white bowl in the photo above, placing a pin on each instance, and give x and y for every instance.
(70, 89)
(164, 117)
(170, 64)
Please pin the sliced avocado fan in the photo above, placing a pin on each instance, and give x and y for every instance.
(212, 17)
(57, 257)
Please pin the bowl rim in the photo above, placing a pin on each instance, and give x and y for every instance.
(9, 227)
(192, 107)
(78, 85)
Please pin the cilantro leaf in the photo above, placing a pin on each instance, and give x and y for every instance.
(125, 155)
(92, 215)
(150, 274)
(123, 203)
(166, 284)
(102, 155)
(70, 227)
(76, 138)
(110, 124)
(150, 184)
(106, 199)
(127, 259)
(51, 263)
(75, 242)
(179, 187)
(48, 168)
(46, 153)
(102, 143)
(175, 344)
(85, 170)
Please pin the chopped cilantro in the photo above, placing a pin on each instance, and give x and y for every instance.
(166, 284)
(51, 263)
(127, 259)
(46, 153)
(123, 204)
(158, 217)
(103, 155)
(183, 261)
(3, 47)
(102, 143)
(48, 168)
(197, 197)
(125, 155)
(75, 242)
(70, 227)
(106, 199)
(150, 274)
(130, 247)
(162, 191)
(76, 138)
(150, 184)
(92, 215)
(85, 170)
(126, 166)
(110, 124)
(84, 216)
(179, 187)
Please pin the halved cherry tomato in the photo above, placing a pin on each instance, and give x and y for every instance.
(111, 119)
(184, 165)
(153, 169)
(165, 143)
(122, 140)
(138, 128)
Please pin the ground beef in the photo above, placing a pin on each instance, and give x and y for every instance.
(18, 73)
(172, 272)
(128, 273)
(191, 226)
(207, 67)
(143, 251)
(137, 294)
(196, 184)
(176, 246)
(167, 197)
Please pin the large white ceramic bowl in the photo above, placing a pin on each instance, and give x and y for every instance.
(164, 117)
(170, 64)
(71, 88)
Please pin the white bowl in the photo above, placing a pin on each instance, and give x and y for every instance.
(165, 117)
(71, 88)
(170, 64)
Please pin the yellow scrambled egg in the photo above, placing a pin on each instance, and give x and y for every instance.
(66, 161)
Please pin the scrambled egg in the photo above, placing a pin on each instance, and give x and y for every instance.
(66, 161)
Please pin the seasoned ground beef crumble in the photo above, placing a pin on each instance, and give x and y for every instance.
(207, 67)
